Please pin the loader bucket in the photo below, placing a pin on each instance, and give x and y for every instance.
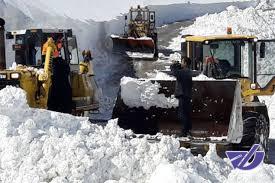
(212, 103)
(133, 47)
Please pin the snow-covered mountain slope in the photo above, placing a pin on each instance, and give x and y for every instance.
(29, 8)
(99, 10)
(178, 12)
(43, 146)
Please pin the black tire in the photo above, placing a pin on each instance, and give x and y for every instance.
(255, 131)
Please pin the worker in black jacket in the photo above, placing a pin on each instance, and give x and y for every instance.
(183, 93)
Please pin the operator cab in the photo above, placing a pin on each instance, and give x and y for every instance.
(141, 23)
(28, 45)
(224, 56)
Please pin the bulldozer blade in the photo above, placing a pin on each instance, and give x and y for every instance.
(212, 103)
(134, 47)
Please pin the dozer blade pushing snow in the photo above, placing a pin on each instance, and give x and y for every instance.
(134, 47)
(212, 109)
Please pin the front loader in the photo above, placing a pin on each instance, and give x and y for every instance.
(140, 36)
(51, 80)
(225, 106)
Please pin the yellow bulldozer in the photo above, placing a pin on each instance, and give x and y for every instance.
(224, 109)
(54, 82)
(140, 35)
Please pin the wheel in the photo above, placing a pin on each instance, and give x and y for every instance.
(255, 131)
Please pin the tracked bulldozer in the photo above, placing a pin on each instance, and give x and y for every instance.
(140, 36)
(225, 108)
(52, 80)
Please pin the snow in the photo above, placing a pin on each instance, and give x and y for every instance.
(103, 11)
(44, 146)
(250, 21)
(263, 173)
(144, 93)
(202, 77)
(27, 6)
(158, 75)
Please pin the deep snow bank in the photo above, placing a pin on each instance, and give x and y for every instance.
(44, 146)
(250, 21)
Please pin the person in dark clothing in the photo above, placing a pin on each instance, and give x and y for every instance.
(183, 93)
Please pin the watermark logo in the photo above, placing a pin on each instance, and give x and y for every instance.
(241, 159)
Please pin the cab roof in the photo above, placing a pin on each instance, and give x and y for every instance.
(140, 8)
(218, 38)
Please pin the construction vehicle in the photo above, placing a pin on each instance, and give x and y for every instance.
(50, 82)
(226, 109)
(140, 36)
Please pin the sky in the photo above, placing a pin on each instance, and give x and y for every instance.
(106, 9)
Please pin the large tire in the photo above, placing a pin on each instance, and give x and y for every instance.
(255, 131)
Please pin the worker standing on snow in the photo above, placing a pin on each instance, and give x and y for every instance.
(183, 93)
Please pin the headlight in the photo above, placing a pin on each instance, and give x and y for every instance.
(3, 76)
(253, 86)
(15, 75)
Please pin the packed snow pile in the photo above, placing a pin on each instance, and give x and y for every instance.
(158, 75)
(144, 93)
(163, 76)
(250, 21)
(202, 77)
(43, 146)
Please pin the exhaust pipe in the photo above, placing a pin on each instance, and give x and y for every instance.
(2, 45)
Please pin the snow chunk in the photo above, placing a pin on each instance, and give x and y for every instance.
(202, 77)
(161, 76)
(175, 57)
(12, 97)
(144, 93)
